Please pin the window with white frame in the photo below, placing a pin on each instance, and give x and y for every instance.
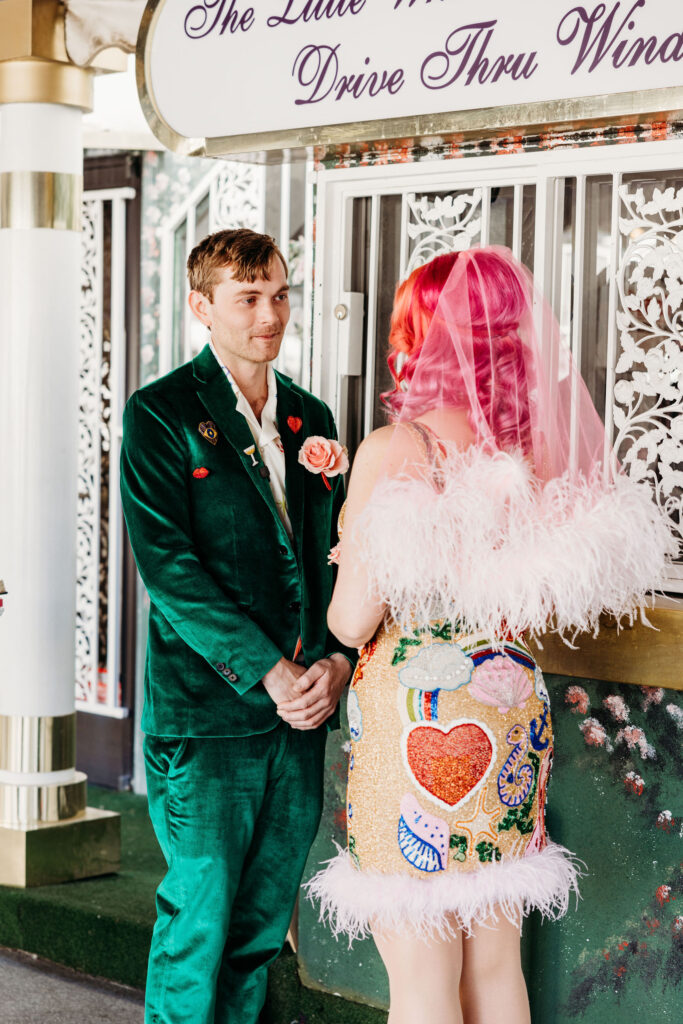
(268, 198)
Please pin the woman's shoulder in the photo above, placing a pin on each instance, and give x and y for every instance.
(377, 441)
(399, 436)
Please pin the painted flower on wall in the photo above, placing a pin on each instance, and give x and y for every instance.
(635, 739)
(634, 783)
(652, 695)
(578, 700)
(593, 732)
(617, 707)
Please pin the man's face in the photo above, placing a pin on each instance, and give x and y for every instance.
(248, 318)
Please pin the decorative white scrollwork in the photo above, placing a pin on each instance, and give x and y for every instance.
(442, 223)
(237, 198)
(648, 392)
(89, 444)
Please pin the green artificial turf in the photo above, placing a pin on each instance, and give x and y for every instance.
(103, 926)
(99, 925)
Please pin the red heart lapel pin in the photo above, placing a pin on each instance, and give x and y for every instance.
(295, 423)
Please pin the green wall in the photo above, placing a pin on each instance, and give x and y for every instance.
(619, 954)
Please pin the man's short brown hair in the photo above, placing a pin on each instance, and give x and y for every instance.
(248, 253)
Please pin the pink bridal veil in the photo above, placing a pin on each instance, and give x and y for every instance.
(527, 524)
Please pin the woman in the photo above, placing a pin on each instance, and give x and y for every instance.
(483, 513)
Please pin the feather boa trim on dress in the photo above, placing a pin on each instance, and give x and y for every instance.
(502, 552)
(352, 900)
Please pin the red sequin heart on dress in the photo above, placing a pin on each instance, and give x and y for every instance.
(449, 764)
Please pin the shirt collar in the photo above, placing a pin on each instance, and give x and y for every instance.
(267, 428)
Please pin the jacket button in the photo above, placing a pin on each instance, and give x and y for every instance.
(232, 677)
(284, 550)
(295, 606)
(220, 666)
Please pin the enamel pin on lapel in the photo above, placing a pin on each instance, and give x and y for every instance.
(209, 431)
(295, 424)
(251, 451)
(263, 469)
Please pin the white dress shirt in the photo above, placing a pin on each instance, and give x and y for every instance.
(266, 437)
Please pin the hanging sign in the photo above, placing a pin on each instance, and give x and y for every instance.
(263, 73)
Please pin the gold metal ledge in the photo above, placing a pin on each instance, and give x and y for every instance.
(23, 804)
(40, 199)
(84, 847)
(46, 81)
(37, 743)
(635, 654)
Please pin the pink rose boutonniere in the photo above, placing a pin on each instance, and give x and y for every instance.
(325, 456)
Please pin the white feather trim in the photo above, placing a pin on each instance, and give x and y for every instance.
(353, 901)
(505, 554)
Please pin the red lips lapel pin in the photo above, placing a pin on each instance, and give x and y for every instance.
(200, 472)
(295, 424)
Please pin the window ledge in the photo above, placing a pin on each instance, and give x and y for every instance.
(631, 654)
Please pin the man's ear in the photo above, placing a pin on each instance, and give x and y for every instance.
(200, 306)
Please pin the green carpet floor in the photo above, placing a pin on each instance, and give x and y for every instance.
(102, 926)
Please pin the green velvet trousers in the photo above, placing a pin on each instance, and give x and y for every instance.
(235, 818)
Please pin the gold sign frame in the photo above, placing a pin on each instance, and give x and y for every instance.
(482, 122)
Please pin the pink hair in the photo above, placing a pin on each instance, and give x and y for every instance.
(497, 302)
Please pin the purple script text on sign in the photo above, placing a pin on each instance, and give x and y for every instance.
(314, 10)
(601, 35)
(202, 19)
(317, 68)
(469, 44)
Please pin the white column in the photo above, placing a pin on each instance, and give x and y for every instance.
(47, 833)
(39, 353)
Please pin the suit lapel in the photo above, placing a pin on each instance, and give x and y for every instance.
(219, 400)
(290, 407)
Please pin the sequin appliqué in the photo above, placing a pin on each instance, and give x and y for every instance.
(448, 763)
(438, 666)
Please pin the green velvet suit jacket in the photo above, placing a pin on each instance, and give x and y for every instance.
(230, 593)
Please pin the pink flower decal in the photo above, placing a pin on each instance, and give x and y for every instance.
(663, 895)
(593, 733)
(666, 821)
(634, 737)
(651, 695)
(501, 682)
(617, 707)
(325, 456)
(634, 783)
(577, 696)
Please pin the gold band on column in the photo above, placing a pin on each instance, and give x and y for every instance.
(32, 80)
(32, 743)
(27, 806)
(40, 199)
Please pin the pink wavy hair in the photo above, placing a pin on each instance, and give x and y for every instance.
(497, 302)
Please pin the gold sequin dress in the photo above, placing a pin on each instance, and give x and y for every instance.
(451, 749)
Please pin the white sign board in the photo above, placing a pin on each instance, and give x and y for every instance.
(221, 68)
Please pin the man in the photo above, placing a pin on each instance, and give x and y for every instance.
(231, 535)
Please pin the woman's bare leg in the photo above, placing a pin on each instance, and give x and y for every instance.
(492, 986)
(424, 978)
